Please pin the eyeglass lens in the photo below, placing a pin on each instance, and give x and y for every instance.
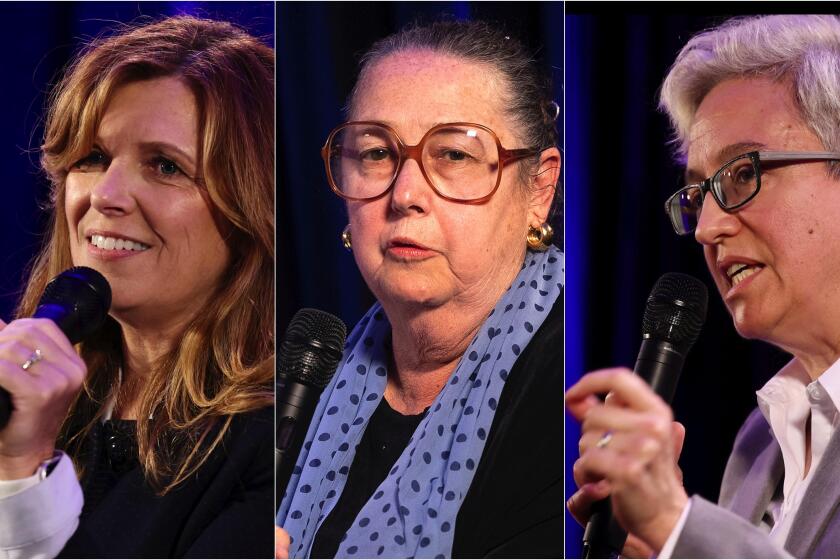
(731, 186)
(461, 162)
(736, 182)
(684, 209)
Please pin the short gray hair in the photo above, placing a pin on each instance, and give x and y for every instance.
(803, 50)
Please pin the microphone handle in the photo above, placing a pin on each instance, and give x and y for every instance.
(296, 404)
(5, 407)
(659, 363)
(603, 537)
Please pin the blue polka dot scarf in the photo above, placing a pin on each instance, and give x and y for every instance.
(413, 512)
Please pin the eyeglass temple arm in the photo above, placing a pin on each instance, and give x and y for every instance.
(791, 156)
(520, 153)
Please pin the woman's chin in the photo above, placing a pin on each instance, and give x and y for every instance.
(749, 323)
(411, 293)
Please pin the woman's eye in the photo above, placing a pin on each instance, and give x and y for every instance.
(376, 154)
(744, 174)
(692, 199)
(93, 160)
(452, 153)
(455, 155)
(166, 166)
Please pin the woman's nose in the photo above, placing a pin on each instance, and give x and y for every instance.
(411, 191)
(111, 192)
(715, 223)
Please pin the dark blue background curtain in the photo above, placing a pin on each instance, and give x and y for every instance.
(318, 47)
(619, 241)
(38, 40)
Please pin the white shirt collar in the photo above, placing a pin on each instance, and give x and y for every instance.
(791, 383)
(787, 401)
(830, 382)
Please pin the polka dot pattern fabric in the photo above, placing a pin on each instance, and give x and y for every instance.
(413, 512)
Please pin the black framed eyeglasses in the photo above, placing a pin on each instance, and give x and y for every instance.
(732, 186)
(461, 161)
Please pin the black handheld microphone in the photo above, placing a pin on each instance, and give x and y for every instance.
(307, 360)
(674, 314)
(77, 300)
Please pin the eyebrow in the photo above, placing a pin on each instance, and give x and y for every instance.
(727, 153)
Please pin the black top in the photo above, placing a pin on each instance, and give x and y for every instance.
(384, 440)
(514, 507)
(224, 510)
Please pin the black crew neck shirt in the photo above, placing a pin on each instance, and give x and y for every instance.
(384, 440)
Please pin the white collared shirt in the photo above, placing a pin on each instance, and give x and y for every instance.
(786, 401)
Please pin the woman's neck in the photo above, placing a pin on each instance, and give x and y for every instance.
(428, 345)
(142, 352)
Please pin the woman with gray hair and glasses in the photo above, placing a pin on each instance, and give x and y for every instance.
(755, 106)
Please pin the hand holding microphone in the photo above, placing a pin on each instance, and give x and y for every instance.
(40, 371)
(628, 450)
(40, 394)
(629, 444)
(588, 495)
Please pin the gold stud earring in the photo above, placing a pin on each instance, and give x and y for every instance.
(539, 239)
(346, 239)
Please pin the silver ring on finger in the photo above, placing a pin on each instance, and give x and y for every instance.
(604, 441)
(35, 357)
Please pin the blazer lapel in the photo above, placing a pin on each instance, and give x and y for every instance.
(820, 499)
(754, 493)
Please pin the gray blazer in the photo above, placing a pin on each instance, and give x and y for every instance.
(753, 473)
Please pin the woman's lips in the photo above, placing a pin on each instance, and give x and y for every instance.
(111, 246)
(405, 249)
(740, 276)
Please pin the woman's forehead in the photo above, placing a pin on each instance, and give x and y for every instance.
(744, 114)
(422, 88)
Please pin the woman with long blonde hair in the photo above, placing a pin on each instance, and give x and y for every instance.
(153, 438)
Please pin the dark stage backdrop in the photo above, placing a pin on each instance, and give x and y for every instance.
(619, 171)
(318, 48)
(39, 39)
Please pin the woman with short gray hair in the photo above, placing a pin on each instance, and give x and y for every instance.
(755, 105)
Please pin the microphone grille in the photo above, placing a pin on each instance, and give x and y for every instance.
(312, 348)
(676, 310)
(84, 297)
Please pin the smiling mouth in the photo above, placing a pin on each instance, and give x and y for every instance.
(116, 243)
(739, 272)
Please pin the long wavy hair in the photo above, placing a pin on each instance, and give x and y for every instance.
(223, 363)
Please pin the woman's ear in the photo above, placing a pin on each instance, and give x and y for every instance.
(543, 186)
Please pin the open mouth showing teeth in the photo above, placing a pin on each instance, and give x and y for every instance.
(116, 244)
(739, 272)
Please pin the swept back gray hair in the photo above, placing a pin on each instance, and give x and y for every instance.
(802, 50)
(529, 100)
